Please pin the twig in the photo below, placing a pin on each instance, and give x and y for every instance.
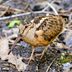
(50, 5)
(53, 8)
(50, 65)
(47, 6)
(22, 14)
(7, 1)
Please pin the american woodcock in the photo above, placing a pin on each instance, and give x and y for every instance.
(41, 31)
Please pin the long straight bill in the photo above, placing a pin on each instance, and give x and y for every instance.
(17, 39)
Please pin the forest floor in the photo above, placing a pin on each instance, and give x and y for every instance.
(58, 57)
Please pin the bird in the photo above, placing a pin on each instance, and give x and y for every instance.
(41, 31)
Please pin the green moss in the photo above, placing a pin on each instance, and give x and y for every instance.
(65, 59)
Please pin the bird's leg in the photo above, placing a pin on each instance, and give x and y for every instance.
(31, 57)
(44, 52)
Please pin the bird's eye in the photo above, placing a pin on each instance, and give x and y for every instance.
(26, 26)
(66, 18)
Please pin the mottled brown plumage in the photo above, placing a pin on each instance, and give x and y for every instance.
(42, 31)
(50, 27)
(42, 35)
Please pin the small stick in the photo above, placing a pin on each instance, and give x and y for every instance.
(47, 6)
(22, 14)
(53, 8)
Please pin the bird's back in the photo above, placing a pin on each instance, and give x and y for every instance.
(51, 26)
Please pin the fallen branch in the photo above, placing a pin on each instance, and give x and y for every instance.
(50, 5)
(22, 14)
(53, 8)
